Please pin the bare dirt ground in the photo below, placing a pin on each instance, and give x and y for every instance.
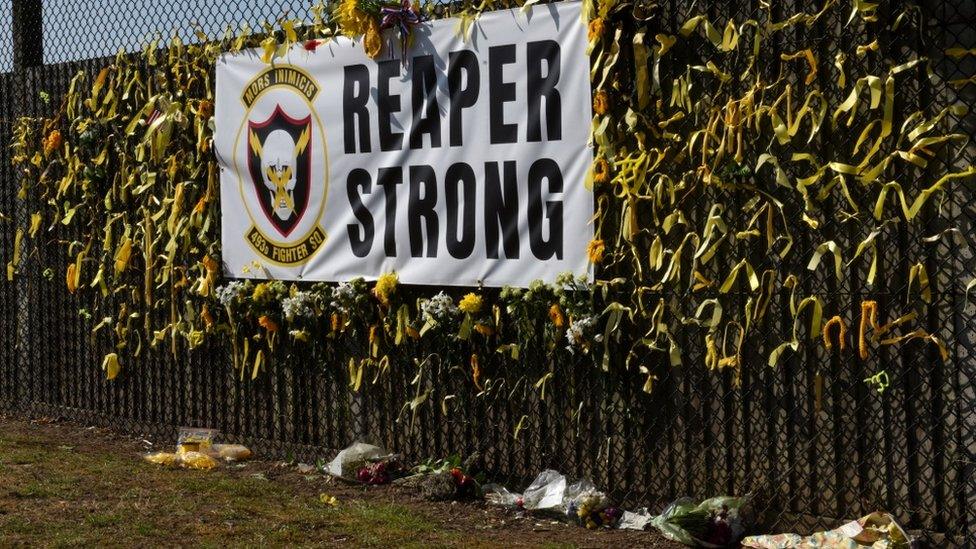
(63, 484)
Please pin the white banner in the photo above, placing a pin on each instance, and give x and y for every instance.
(464, 164)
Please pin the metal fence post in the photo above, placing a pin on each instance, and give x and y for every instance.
(27, 39)
(28, 35)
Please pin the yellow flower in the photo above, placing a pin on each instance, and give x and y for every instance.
(373, 43)
(595, 29)
(556, 315)
(353, 21)
(470, 304)
(208, 319)
(268, 324)
(601, 102)
(204, 108)
(595, 250)
(601, 170)
(386, 285)
(52, 142)
(210, 264)
(261, 293)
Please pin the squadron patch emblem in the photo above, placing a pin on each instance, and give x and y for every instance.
(285, 185)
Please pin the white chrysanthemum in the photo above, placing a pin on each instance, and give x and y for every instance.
(576, 334)
(344, 294)
(229, 292)
(439, 307)
(299, 306)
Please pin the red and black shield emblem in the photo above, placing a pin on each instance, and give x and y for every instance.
(279, 160)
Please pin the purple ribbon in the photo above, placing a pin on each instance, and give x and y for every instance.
(403, 18)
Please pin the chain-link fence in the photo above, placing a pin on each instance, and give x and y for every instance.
(811, 453)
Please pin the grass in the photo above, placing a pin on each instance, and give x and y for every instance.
(68, 486)
(121, 500)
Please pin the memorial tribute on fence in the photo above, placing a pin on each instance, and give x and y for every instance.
(462, 162)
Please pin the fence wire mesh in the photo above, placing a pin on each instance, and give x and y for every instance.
(809, 462)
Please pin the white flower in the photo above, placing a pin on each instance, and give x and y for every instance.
(299, 306)
(343, 295)
(577, 332)
(229, 292)
(439, 307)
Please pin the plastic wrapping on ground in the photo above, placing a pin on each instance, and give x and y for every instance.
(161, 458)
(496, 494)
(352, 458)
(196, 460)
(230, 452)
(188, 460)
(193, 439)
(545, 493)
(877, 531)
(195, 450)
(715, 522)
(550, 492)
(635, 520)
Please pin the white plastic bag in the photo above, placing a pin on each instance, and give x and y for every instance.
(638, 520)
(352, 458)
(546, 492)
(496, 494)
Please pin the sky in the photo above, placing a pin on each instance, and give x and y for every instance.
(5, 46)
(83, 29)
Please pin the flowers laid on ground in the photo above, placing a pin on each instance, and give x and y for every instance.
(591, 510)
(380, 472)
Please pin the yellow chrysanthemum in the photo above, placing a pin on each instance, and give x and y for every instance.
(556, 316)
(601, 171)
(601, 102)
(595, 29)
(386, 285)
(261, 293)
(470, 304)
(208, 319)
(353, 21)
(595, 250)
(52, 142)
